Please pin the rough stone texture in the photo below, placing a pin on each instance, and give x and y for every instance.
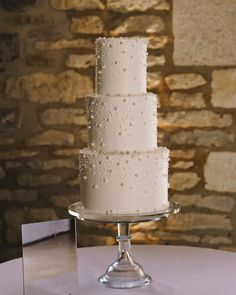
(87, 240)
(19, 195)
(184, 81)
(181, 181)
(163, 237)
(74, 182)
(200, 119)
(65, 44)
(198, 221)
(138, 5)
(153, 60)
(140, 24)
(180, 154)
(153, 80)
(227, 248)
(12, 164)
(215, 138)
(51, 164)
(2, 172)
(166, 236)
(11, 5)
(213, 202)
(224, 88)
(183, 165)
(144, 238)
(186, 100)
(47, 87)
(145, 226)
(160, 134)
(157, 42)
(48, 59)
(67, 152)
(38, 180)
(204, 32)
(7, 141)
(63, 201)
(66, 116)
(87, 25)
(78, 5)
(15, 217)
(216, 240)
(9, 118)
(80, 61)
(9, 47)
(52, 137)
(17, 21)
(17, 154)
(220, 172)
(41, 214)
(83, 135)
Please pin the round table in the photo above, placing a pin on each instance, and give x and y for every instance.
(175, 270)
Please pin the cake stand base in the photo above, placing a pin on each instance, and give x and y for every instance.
(124, 276)
(124, 273)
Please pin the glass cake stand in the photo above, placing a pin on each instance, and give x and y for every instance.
(124, 273)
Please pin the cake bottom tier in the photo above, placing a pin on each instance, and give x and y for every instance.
(120, 183)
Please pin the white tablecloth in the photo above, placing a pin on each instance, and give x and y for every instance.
(175, 270)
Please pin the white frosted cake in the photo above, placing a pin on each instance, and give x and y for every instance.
(122, 170)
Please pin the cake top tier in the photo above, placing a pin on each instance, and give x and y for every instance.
(121, 66)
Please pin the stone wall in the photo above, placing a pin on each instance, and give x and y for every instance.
(47, 68)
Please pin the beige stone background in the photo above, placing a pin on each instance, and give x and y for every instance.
(47, 68)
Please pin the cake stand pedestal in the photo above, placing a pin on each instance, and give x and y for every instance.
(124, 273)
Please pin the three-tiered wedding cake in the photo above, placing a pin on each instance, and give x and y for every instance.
(122, 170)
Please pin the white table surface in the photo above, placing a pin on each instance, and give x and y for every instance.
(175, 270)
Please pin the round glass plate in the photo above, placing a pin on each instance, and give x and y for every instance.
(77, 210)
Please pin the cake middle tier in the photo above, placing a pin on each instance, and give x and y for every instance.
(124, 182)
(122, 123)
